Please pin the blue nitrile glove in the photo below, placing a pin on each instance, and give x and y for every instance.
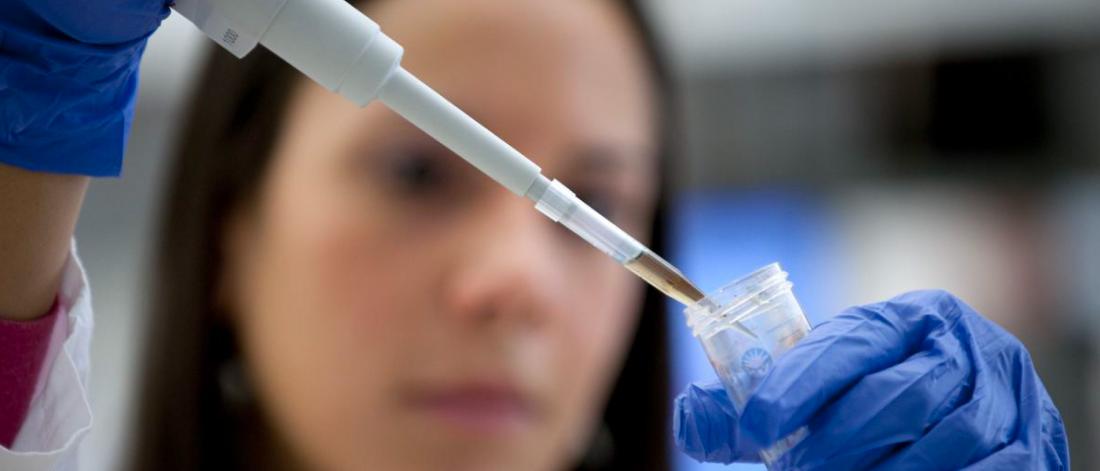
(68, 79)
(918, 382)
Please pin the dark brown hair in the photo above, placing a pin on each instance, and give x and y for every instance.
(187, 420)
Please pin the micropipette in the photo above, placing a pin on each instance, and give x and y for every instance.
(343, 50)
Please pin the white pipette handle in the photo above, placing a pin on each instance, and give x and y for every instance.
(340, 48)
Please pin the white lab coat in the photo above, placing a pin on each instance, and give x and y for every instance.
(59, 415)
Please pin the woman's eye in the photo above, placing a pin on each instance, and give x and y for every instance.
(417, 173)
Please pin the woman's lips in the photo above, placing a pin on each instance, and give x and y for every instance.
(483, 409)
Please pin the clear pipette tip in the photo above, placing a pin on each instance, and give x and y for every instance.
(554, 200)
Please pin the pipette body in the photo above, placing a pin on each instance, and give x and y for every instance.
(345, 51)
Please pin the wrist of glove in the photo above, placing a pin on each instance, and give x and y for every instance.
(918, 382)
(68, 81)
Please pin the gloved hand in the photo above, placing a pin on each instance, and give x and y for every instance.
(68, 79)
(918, 382)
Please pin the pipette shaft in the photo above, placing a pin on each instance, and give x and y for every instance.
(341, 49)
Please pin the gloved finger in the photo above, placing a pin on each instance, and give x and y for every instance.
(1009, 422)
(837, 354)
(888, 409)
(705, 426)
(959, 439)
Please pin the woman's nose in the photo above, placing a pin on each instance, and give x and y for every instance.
(510, 268)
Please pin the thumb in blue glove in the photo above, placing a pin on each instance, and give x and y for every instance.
(705, 426)
(918, 382)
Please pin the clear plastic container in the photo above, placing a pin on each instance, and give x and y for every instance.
(744, 326)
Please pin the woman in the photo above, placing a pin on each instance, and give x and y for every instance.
(336, 291)
(389, 306)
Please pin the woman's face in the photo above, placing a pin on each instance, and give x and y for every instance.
(398, 309)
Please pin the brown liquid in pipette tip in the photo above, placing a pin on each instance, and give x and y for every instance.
(665, 277)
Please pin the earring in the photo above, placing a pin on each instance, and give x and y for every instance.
(233, 383)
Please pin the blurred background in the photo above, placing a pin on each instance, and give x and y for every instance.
(869, 147)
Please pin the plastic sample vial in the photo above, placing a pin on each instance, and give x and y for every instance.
(744, 326)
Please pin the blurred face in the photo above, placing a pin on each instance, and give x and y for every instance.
(399, 310)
